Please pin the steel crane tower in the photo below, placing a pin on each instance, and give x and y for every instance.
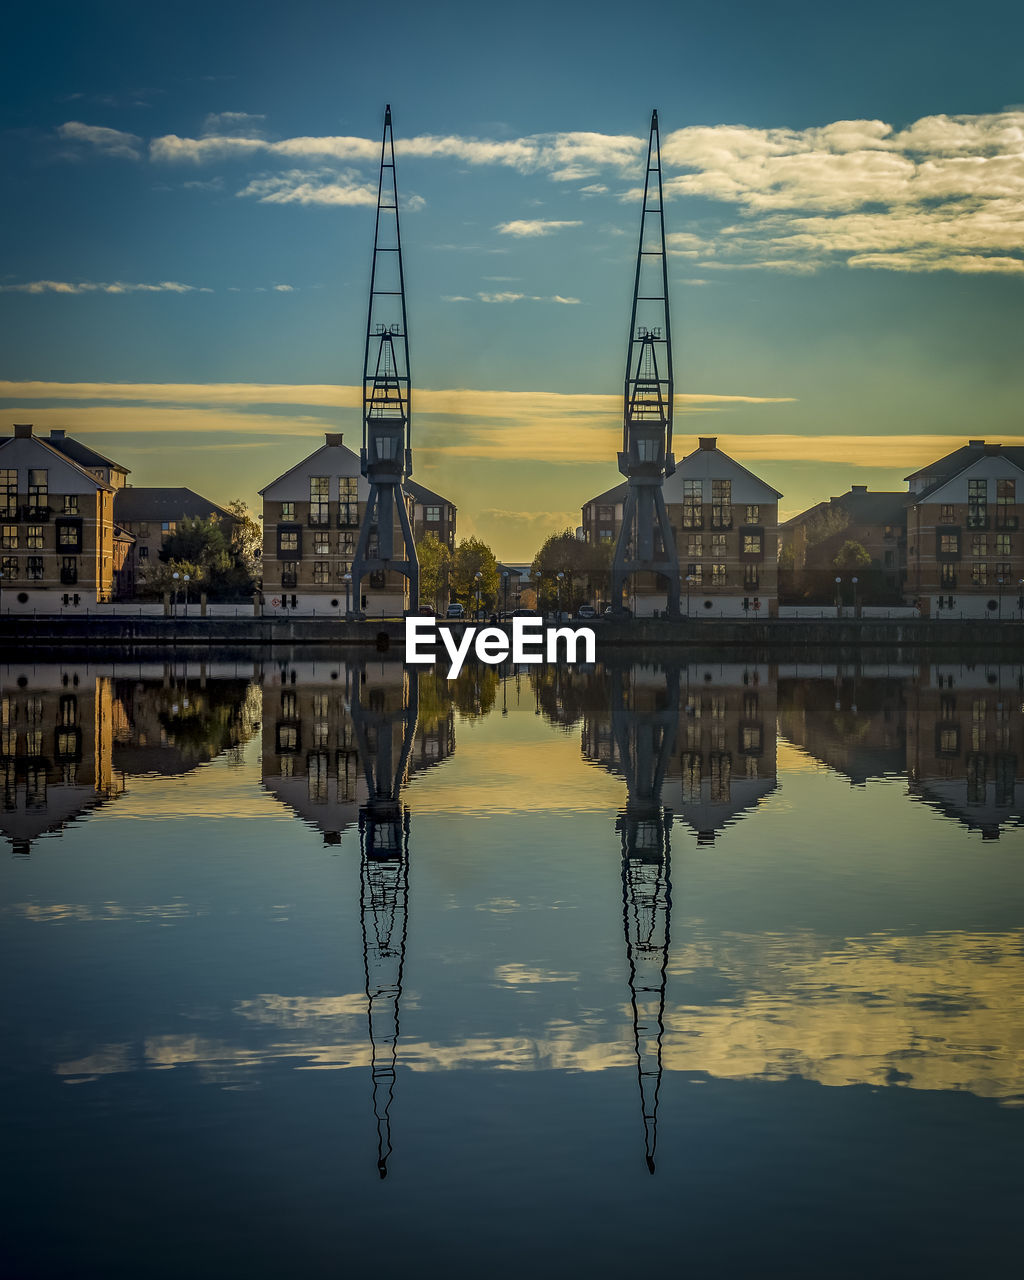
(386, 454)
(645, 739)
(646, 542)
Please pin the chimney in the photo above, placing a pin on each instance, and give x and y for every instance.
(708, 442)
(333, 438)
(975, 444)
(23, 431)
(57, 434)
(858, 488)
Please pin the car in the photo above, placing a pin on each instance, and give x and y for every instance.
(525, 613)
(612, 612)
(455, 610)
(586, 611)
(425, 611)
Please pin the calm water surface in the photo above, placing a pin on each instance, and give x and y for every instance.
(313, 965)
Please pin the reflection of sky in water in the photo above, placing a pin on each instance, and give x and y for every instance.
(209, 927)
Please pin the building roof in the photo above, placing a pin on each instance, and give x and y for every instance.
(862, 506)
(65, 458)
(81, 453)
(420, 493)
(618, 494)
(134, 504)
(943, 469)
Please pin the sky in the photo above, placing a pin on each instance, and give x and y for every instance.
(188, 223)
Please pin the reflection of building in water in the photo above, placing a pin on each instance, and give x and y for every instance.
(851, 720)
(311, 752)
(724, 762)
(56, 737)
(965, 743)
(644, 721)
(70, 737)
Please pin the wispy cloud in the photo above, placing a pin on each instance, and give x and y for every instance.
(101, 141)
(233, 123)
(299, 186)
(90, 286)
(533, 226)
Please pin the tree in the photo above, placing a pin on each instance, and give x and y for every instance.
(852, 555)
(585, 567)
(206, 550)
(246, 538)
(435, 559)
(472, 557)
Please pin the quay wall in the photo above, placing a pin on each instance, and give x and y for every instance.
(782, 634)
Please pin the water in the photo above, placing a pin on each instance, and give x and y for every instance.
(311, 964)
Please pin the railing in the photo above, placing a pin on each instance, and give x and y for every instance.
(977, 522)
(1007, 523)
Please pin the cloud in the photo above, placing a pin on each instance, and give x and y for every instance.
(533, 227)
(284, 288)
(944, 194)
(88, 286)
(231, 123)
(518, 297)
(102, 141)
(299, 186)
(505, 296)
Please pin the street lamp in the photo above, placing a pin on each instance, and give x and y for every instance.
(854, 581)
(174, 608)
(476, 578)
(187, 581)
(839, 599)
(504, 578)
(561, 579)
(999, 583)
(348, 597)
(1020, 597)
(690, 580)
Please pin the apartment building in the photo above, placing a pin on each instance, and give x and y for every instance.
(965, 544)
(726, 523)
(152, 515)
(430, 513)
(57, 529)
(876, 520)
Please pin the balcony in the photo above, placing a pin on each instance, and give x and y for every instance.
(1007, 523)
(35, 514)
(348, 515)
(979, 520)
(68, 577)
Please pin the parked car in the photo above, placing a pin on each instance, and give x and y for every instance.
(425, 611)
(586, 611)
(612, 612)
(525, 613)
(455, 610)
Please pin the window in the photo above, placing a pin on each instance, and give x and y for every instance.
(718, 575)
(1003, 544)
(949, 544)
(321, 544)
(752, 515)
(977, 504)
(750, 739)
(947, 513)
(947, 575)
(347, 545)
(38, 489)
(889, 560)
(979, 574)
(751, 544)
(288, 542)
(1006, 493)
(647, 449)
(606, 515)
(143, 553)
(385, 446)
(433, 513)
(979, 544)
(10, 568)
(696, 572)
(750, 578)
(167, 527)
(606, 535)
(69, 536)
(319, 499)
(721, 504)
(34, 568)
(719, 546)
(71, 504)
(692, 498)
(695, 545)
(68, 571)
(289, 575)
(143, 529)
(8, 493)
(321, 571)
(34, 537)
(287, 510)
(9, 537)
(1004, 572)
(348, 510)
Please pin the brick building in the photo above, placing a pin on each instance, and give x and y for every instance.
(151, 515)
(725, 520)
(876, 520)
(56, 528)
(430, 513)
(965, 543)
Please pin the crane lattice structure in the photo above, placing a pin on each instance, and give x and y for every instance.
(645, 740)
(385, 729)
(386, 454)
(646, 542)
